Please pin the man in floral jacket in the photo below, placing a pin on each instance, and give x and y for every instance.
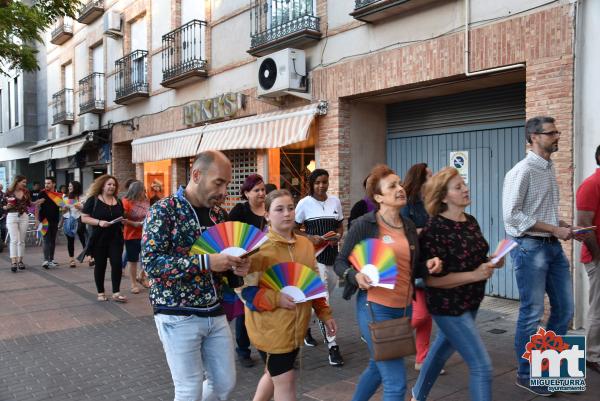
(185, 289)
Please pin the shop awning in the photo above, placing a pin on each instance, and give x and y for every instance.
(270, 130)
(171, 145)
(40, 155)
(13, 154)
(58, 148)
(67, 149)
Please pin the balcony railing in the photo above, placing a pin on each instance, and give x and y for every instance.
(90, 11)
(276, 24)
(183, 58)
(63, 31)
(131, 81)
(62, 105)
(375, 10)
(91, 94)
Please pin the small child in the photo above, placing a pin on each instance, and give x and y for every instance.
(276, 325)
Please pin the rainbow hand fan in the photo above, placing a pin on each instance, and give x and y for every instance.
(69, 201)
(504, 247)
(294, 279)
(232, 238)
(43, 227)
(377, 261)
(56, 197)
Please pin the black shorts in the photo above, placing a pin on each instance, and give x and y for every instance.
(133, 247)
(278, 364)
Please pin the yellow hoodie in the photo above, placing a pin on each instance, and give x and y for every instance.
(273, 329)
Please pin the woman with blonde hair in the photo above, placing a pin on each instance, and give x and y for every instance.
(453, 296)
(135, 205)
(104, 212)
(276, 325)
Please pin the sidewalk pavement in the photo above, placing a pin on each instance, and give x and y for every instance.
(58, 343)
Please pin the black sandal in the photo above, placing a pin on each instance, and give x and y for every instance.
(13, 267)
(21, 266)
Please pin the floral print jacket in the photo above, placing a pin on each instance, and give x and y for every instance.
(179, 281)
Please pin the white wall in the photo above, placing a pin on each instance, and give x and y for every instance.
(220, 8)
(81, 61)
(139, 38)
(587, 131)
(233, 41)
(161, 24)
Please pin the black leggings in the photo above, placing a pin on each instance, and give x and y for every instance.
(71, 240)
(102, 254)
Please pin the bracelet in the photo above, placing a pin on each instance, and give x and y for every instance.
(346, 272)
(98, 222)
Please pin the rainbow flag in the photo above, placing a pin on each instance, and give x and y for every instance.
(56, 197)
(44, 227)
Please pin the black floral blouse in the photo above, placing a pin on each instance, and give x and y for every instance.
(462, 248)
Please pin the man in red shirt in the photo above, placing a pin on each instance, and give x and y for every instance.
(588, 214)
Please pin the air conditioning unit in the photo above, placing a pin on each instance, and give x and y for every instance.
(282, 73)
(88, 122)
(113, 25)
(59, 131)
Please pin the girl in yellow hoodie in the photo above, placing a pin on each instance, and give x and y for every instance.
(276, 325)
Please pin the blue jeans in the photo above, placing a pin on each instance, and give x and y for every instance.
(540, 267)
(389, 373)
(194, 346)
(457, 333)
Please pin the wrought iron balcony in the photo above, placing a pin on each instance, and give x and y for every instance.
(63, 31)
(183, 59)
(375, 10)
(131, 81)
(91, 11)
(62, 107)
(91, 94)
(277, 24)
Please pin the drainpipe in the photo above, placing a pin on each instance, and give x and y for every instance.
(467, 52)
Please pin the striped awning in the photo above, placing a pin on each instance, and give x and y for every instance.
(40, 155)
(263, 131)
(171, 145)
(67, 149)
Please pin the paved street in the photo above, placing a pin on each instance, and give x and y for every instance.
(58, 343)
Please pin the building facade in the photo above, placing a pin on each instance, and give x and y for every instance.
(22, 95)
(284, 86)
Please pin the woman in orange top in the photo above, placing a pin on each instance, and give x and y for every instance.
(135, 204)
(386, 223)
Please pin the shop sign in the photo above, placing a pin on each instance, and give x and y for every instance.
(216, 108)
(460, 161)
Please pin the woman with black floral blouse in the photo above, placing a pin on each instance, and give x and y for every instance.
(453, 296)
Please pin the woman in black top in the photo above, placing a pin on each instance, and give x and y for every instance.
(100, 211)
(250, 212)
(253, 210)
(453, 296)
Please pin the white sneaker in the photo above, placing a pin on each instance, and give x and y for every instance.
(46, 265)
(53, 263)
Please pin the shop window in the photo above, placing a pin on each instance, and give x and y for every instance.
(243, 164)
(296, 164)
(160, 172)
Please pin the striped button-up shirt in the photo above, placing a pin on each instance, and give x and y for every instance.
(530, 195)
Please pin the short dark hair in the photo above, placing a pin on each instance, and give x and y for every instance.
(270, 188)
(598, 155)
(313, 177)
(51, 179)
(535, 125)
(204, 160)
(250, 182)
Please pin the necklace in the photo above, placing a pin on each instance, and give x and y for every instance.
(400, 227)
(321, 202)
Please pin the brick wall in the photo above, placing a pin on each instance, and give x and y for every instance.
(542, 40)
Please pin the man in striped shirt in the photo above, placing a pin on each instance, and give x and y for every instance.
(530, 209)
